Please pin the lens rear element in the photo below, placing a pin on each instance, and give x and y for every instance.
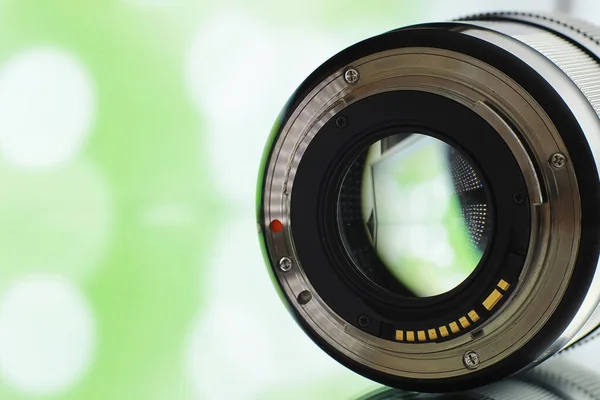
(421, 207)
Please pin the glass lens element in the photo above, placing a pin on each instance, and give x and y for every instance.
(414, 215)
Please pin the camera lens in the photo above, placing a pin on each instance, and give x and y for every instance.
(429, 200)
(413, 215)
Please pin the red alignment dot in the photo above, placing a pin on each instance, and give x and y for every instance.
(276, 226)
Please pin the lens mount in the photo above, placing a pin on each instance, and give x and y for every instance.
(485, 89)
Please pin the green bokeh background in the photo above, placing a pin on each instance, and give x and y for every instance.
(137, 248)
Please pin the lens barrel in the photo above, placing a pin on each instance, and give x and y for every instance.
(429, 200)
(558, 379)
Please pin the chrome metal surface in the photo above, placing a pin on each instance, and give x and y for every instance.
(558, 161)
(285, 264)
(351, 76)
(471, 360)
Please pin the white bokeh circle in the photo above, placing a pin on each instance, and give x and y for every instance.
(47, 107)
(240, 73)
(245, 330)
(231, 56)
(225, 343)
(47, 335)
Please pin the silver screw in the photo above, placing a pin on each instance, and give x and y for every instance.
(285, 264)
(558, 161)
(471, 360)
(351, 76)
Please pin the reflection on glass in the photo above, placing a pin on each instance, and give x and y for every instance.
(425, 212)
